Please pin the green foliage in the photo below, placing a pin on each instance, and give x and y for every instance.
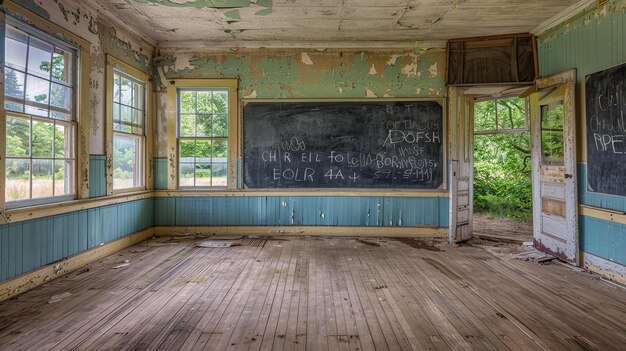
(502, 168)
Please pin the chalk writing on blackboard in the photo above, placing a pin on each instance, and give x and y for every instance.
(349, 144)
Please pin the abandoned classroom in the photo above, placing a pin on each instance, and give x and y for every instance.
(290, 174)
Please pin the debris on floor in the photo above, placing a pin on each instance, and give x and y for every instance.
(123, 264)
(218, 243)
(59, 297)
(534, 256)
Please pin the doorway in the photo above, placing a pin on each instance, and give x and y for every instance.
(502, 187)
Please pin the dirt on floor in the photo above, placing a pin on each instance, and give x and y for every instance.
(514, 230)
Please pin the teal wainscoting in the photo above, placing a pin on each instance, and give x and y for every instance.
(97, 175)
(301, 210)
(160, 173)
(586, 197)
(603, 238)
(31, 244)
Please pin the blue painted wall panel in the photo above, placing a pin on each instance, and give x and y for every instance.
(301, 210)
(585, 197)
(603, 238)
(97, 175)
(27, 245)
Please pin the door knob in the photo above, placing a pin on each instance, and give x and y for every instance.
(567, 176)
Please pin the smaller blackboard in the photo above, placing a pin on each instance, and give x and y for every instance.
(605, 97)
(371, 144)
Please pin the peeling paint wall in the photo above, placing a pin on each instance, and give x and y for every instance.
(294, 74)
(88, 24)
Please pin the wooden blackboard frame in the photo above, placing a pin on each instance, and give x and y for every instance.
(443, 188)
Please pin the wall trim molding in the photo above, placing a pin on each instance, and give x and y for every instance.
(602, 213)
(30, 280)
(562, 17)
(608, 269)
(312, 192)
(409, 232)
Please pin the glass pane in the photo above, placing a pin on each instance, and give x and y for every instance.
(203, 151)
(187, 125)
(116, 88)
(39, 58)
(18, 137)
(126, 91)
(60, 96)
(203, 127)
(43, 134)
(187, 102)
(42, 178)
(16, 34)
(204, 102)
(219, 175)
(220, 125)
(203, 174)
(63, 146)
(138, 99)
(17, 179)
(61, 66)
(186, 174)
(220, 150)
(37, 89)
(13, 106)
(126, 114)
(63, 183)
(552, 143)
(37, 111)
(187, 150)
(220, 101)
(15, 54)
(116, 112)
(60, 115)
(126, 161)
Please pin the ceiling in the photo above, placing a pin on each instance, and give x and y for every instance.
(327, 23)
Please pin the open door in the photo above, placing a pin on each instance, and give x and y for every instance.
(461, 168)
(555, 228)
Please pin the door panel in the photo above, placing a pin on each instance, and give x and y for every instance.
(461, 165)
(553, 146)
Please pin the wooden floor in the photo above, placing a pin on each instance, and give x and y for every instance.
(318, 294)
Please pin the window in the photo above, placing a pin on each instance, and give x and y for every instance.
(40, 118)
(203, 137)
(128, 112)
(552, 142)
(501, 116)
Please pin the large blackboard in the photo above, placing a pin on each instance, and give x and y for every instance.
(605, 94)
(343, 144)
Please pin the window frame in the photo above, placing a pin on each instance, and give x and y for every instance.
(232, 139)
(114, 65)
(73, 122)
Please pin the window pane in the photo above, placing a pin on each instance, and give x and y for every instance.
(14, 83)
(37, 111)
(220, 125)
(63, 145)
(42, 178)
(187, 125)
(203, 174)
(116, 112)
(126, 114)
(187, 102)
(552, 143)
(18, 137)
(60, 115)
(219, 175)
(17, 179)
(204, 102)
(43, 134)
(15, 52)
(220, 149)
(37, 90)
(186, 174)
(63, 171)
(127, 163)
(187, 150)
(138, 98)
(116, 88)
(61, 69)
(60, 96)
(203, 127)
(126, 91)
(220, 101)
(39, 58)
(204, 151)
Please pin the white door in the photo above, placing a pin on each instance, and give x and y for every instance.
(555, 228)
(461, 168)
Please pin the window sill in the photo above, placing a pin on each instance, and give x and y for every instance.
(55, 208)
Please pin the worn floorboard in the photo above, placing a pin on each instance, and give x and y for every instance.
(318, 294)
